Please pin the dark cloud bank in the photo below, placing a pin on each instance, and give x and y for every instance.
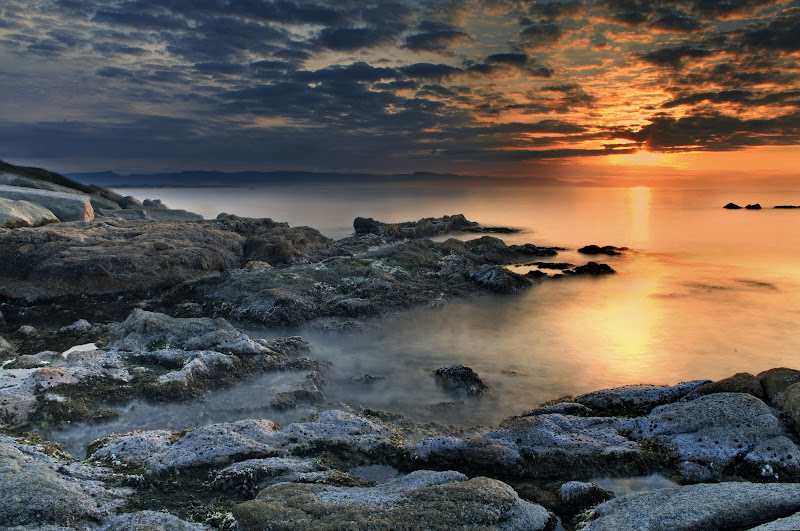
(388, 86)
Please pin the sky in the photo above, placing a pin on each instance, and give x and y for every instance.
(624, 91)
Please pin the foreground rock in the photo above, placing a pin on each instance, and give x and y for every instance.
(715, 506)
(420, 500)
(37, 489)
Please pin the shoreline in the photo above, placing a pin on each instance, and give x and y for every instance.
(146, 291)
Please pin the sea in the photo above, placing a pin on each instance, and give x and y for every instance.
(702, 293)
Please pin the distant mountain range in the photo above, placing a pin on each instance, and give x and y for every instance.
(287, 178)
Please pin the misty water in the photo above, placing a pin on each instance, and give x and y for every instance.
(702, 294)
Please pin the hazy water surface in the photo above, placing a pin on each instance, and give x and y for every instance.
(703, 293)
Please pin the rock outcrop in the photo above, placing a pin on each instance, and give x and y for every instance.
(14, 214)
(65, 206)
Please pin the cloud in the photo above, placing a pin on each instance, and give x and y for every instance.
(541, 33)
(674, 56)
(434, 38)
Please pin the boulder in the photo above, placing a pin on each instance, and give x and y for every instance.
(732, 206)
(15, 214)
(736, 505)
(756, 206)
(777, 381)
(151, 214)
(789, 404)
(66, 206)
(150, 521)
(461, 379)
(742, 382)
(420, 500)
(714, 430)
(37, 489)
(637, 399)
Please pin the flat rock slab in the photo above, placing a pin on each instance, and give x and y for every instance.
(420, 500)
(66, 206)
(702, 506)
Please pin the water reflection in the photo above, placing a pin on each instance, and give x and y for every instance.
(640, 209)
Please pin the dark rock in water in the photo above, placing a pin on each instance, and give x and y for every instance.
(529, 249)
(753, 207)
(423, 228)
(606, 249)
(553, 265)
(742, 382)
(368, 378)
(786, 206)
(535, 274)
(492, 230)
(499, 279)
(460, 378)
(732, 206)
(579, 495)
(593, 268)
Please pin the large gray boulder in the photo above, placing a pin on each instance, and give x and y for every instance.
(717, 430)
(66, 206)
(790, 523)
(420, 500)
(14, 214)
(37, 489)
(703, 506)
(152, 214)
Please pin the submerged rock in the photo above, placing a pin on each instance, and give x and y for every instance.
(420, 500)
(593, 268)
(732, 206)
(755, 206)
(703, 506)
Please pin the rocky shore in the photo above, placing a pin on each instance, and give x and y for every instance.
(106, 300)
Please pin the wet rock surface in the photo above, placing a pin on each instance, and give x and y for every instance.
(460, 379)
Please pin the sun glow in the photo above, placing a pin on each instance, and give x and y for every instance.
(642, 156)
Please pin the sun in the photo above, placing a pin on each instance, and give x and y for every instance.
(642, 157)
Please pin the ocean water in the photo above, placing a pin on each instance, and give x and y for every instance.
(703, 293)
